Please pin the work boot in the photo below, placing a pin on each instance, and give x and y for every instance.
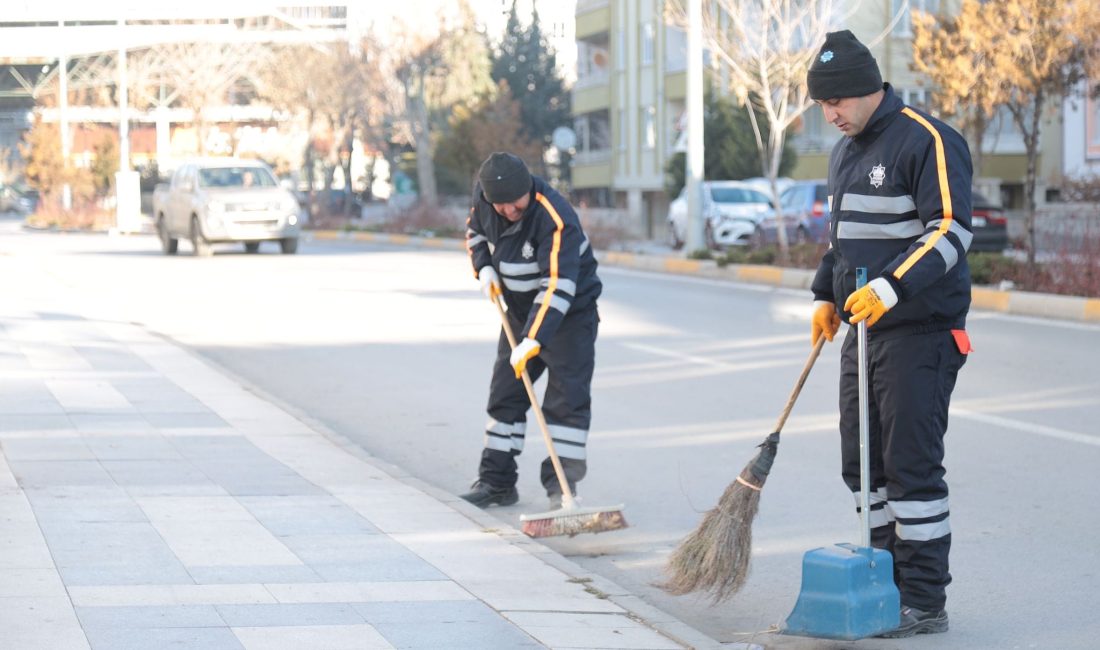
(484, 495)
(916, 621)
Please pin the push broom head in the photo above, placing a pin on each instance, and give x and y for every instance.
(572, 521)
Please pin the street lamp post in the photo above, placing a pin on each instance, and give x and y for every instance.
(694, 171)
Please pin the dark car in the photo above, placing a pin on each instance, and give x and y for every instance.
(989, 225)
(805, 207)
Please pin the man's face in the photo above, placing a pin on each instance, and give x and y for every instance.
(850, 114)
(514, 210)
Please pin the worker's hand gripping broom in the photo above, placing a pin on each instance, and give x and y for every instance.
(570, 519)
(715, 557)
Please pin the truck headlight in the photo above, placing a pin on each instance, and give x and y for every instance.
(215, 206)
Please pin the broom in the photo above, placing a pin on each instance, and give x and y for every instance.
(570, 519)
(715, 557)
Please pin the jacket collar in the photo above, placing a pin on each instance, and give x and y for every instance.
(887, 110)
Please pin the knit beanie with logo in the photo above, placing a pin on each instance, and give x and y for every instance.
(504, 178)
(844, 67)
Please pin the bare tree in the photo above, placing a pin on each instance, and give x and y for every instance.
(1026, 55)
(767, 47)
(437, 72)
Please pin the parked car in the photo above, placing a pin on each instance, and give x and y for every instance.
(225, 200)
(18, 198)
(805, 208)
(989, 225)
(731, 210)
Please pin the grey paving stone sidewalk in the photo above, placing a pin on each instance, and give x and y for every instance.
(148, 501)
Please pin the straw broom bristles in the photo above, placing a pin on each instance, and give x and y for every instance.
(715, 557)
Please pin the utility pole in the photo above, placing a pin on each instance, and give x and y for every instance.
(127, 181)
(63, 110)
(694, 173)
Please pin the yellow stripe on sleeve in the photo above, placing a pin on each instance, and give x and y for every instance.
(555, 249)
(945, 196)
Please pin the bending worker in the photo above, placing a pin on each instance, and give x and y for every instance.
(526, 245)
(900, 206)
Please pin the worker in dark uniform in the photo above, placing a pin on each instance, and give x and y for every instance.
(899, 185)
(527, 246)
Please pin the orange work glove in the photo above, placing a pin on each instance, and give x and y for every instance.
(825, 321)
(871, 302)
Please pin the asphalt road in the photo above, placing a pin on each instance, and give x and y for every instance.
(392, 349)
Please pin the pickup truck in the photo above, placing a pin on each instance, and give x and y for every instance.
(225, 200)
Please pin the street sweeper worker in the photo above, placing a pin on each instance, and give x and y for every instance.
(899, 185)
(526, 245)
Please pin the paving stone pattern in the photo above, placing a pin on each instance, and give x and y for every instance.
(148, 501)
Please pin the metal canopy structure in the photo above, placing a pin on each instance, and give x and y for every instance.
(161, 43)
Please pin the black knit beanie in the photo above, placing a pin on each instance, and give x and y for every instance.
(844, 67)
(504, 178)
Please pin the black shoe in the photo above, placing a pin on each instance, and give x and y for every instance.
(484, 495)
(915, 621)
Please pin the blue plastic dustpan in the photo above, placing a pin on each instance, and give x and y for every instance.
(848, 591)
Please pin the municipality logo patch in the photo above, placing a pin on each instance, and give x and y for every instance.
(878, 175)
(826, 56)
(528, 250)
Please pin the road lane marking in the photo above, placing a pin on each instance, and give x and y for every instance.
(1027, 427)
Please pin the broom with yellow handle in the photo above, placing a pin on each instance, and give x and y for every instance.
(715, 557)
(570, 519)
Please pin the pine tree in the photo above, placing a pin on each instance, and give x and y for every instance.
(528, 63)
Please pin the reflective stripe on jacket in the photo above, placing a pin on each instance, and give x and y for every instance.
(900, 206)
(544, 260)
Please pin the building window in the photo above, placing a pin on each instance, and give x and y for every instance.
(1092, 128)
(649, 37)
(649, 127)
(624, 133)
(904, 26)
(675, 49)
(916, 97)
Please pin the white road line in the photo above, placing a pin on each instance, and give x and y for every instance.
(1027, 427)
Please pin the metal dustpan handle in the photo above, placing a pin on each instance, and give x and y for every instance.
(864, 426)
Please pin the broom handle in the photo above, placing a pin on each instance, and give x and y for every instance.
(567, 500)
(798, 385)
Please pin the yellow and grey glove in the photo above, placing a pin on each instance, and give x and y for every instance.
(871, 302)
(490, 282)
(825, 321)
(522, 353)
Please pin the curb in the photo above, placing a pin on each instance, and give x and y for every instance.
(637, 609)
(1019, 303)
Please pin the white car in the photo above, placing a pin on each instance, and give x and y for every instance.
(731, 211)
(225, 200)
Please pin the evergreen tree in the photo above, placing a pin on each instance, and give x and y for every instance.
(528, 63)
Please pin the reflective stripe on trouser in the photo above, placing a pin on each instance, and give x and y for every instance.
(568, 360)
(910, 380)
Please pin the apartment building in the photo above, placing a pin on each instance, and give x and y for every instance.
(629, 110)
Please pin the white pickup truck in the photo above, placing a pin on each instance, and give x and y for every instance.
(225, 200)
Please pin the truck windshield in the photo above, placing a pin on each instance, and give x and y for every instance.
(235, 177)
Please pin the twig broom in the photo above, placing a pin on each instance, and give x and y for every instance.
(571, 519)
(715, 557)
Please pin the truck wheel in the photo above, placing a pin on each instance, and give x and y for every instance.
(289, 245)
(252, 247)
(198, 242)
(168, 244)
